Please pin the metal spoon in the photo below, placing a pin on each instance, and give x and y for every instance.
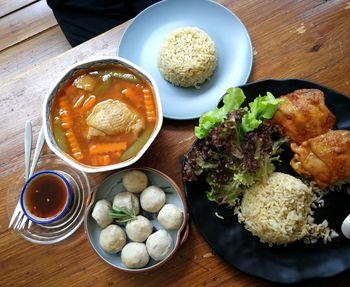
(38, 148)
(345, 227)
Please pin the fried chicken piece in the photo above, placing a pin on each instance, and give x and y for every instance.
(325, 159)
(303, 115)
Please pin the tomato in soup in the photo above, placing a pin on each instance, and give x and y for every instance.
(103, 115)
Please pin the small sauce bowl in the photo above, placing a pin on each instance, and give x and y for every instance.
(46, 196)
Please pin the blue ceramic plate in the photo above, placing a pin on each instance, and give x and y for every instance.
(141, 41)
(283, 264)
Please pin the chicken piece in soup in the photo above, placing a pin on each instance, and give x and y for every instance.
(103, 115)
(115, 117)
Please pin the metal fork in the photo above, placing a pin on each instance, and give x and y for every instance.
(27, 153)
(18, 219)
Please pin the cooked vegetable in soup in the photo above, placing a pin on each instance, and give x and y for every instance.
(103, 115)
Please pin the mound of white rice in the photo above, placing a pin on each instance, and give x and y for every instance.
(279, 211)
(187, 57)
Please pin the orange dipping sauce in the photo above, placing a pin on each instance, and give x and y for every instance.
(103, 115)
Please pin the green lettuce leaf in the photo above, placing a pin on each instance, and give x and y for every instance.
(261, 108)
(233, 99)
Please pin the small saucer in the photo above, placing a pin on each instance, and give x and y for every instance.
(70, 222)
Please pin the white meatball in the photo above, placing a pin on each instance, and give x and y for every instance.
(134, 255)
(152, 198)
(135, 181)
(101, 212)
(139, 229)
(170, 217)
(128, 200)
(159, 245)
(112, 238)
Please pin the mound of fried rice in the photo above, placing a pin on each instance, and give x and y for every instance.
(279, 211)
(187, 57)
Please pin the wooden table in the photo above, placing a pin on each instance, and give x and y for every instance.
(302, 39)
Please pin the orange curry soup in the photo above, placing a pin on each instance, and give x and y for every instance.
(103, 115)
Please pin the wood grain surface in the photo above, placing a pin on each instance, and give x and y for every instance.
(23, 46)
(302, 39)
(45, 45)
(9, 6)
(25, 23)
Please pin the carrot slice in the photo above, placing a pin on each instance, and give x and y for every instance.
(89, 103)
(73, 144)
(78, 155)
(149, 106)
(100, 160)
(105, 159)
(132, 95)
(117, 154)
(67, 124)
(66, 118)
(103, 148)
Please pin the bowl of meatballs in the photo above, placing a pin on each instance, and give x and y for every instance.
(136, 219)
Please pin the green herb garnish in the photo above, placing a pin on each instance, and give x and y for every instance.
(122, 214)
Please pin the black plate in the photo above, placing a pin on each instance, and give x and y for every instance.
(287, 264)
